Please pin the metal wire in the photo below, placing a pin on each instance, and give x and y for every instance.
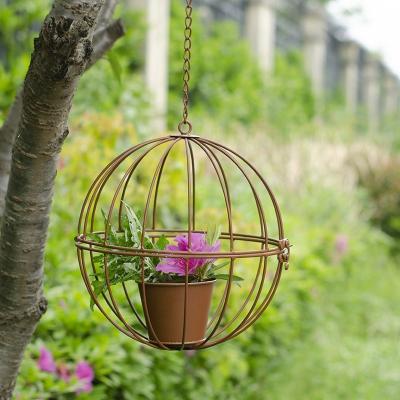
(221, 326)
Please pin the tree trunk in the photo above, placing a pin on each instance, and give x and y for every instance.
(7, 136)
(62, 52)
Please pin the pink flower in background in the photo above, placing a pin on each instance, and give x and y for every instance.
(61, 163)
(190, 353)
(46, 361)
(63, 304)
(198, 243)
(341, 244)
(85, 375)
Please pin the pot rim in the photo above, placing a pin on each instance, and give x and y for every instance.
(208, 282)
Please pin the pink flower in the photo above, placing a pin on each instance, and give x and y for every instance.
(198, 243)
(63, 304)
(46, 361)
(61, 163)
(85, 375)
(341, 244)
(190, 353)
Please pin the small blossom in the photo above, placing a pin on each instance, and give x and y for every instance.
(190, 353)
(63, 304)
(85, 375)
(341, 244)
(46, 361)
(198, 243)
(61, 163)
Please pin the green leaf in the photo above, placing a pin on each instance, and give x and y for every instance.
(213, 234)
(98, 289)
(126, 234)
(91, 303)
(161, 243)
(115, 66)
(225, 277)
(130, 267)
(94, 237)
(134, 223)
(107, 226)
(99, 259)
(124, 222)
(219, 266)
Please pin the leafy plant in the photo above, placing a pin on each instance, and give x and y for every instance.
(151, 269)
(125, 268)
(382, 183)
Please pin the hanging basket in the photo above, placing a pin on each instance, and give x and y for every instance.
(218, 185)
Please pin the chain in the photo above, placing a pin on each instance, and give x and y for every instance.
(185, 127)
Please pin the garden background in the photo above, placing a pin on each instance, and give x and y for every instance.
(332, 331)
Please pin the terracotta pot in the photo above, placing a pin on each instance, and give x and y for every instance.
(165, 304)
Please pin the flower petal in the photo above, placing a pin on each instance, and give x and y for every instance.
(46, 361)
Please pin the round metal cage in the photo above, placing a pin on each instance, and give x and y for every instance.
(203, 162)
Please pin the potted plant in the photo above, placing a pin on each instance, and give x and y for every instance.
(162, 291)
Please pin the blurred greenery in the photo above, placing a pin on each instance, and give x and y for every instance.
(19, 22)
(332, 330)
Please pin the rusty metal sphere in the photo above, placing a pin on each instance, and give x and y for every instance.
(203, 162)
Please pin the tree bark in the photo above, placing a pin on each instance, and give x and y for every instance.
(63, 50)
(7, 136)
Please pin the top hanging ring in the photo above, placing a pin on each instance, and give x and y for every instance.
(185, 127)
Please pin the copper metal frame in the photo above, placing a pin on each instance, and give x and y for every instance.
(264, 246)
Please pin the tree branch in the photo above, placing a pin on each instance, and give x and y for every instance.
(62, 53)
(104, 39)
(107, 12)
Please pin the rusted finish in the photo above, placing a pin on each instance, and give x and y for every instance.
(224, 323)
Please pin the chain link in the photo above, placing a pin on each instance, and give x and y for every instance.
(185, 127)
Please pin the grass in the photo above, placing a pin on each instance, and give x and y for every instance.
(352, 351)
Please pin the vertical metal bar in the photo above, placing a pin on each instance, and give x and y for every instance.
(108, 223)
(272, 290)
(145, 214)
(91, 200)
(225, 188)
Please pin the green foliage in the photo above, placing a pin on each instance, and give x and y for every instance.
(382, 184)
(290, 99)
(334, 318)
(19, 20)
(125, 268)
(119, 73)
(226, 84)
